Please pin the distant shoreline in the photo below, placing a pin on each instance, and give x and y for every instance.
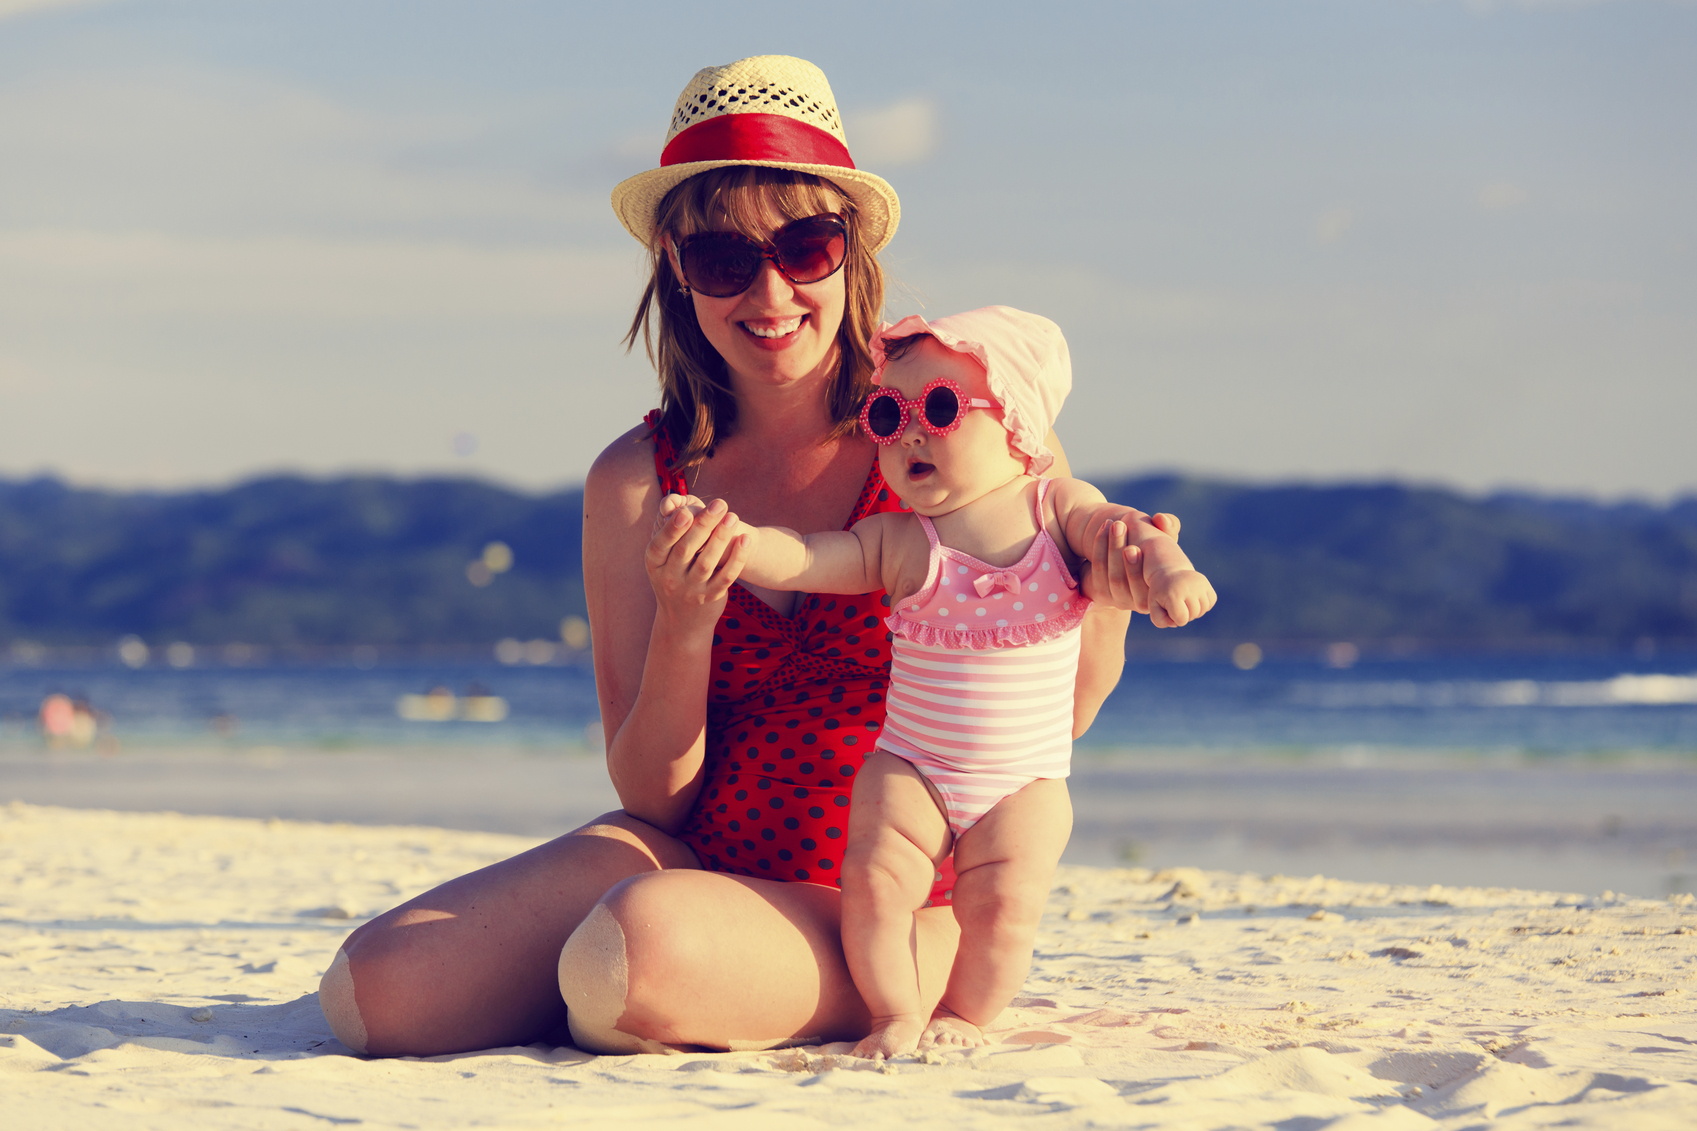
(374, 566)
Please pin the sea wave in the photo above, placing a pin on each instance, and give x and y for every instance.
(1624, 690)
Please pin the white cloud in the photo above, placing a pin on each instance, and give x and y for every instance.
(1495, 5)
(11, 8)
(901, 133)
(84, 277)
(165, 360)
(210, 152)
(1501, 195)
(1333, 223)
(1477, 384)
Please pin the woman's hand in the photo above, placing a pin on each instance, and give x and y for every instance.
(693, 559)
(1113, 571)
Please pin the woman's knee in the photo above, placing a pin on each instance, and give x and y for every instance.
(622, 970)
(341, 1008)
(365, 994)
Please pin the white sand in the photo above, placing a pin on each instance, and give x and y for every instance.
(158, 970)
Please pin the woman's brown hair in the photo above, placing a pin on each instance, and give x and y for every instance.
(697, 408)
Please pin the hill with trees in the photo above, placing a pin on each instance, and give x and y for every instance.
(294, 562)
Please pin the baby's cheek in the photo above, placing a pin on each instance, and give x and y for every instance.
(984, 448)
(892, 461)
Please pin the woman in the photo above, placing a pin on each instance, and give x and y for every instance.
(702, 913)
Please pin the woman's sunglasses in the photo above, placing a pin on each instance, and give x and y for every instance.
(884, 417)
(723, 264)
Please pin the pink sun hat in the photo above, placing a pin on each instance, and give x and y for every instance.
(1025, 357)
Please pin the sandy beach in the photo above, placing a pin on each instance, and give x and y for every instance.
(157, 969)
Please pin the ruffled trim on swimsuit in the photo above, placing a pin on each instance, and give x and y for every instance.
(991, 636)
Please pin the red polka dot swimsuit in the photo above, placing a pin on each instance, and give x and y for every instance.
(794, 706)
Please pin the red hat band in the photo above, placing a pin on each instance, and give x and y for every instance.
(756, 137)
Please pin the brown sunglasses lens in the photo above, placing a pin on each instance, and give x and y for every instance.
(723, 264)
(812, 249)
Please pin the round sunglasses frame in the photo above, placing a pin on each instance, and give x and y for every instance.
(963, 405)
(763, 251)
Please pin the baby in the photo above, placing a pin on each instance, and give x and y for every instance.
(986, 617)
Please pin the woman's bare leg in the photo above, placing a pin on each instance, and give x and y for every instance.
(718, 961)
(472, 964)
(896, 835)
(1004, 866)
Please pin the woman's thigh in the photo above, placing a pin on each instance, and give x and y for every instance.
(723, 961)
(472, 964)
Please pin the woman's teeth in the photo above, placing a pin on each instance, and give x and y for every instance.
(776, 330)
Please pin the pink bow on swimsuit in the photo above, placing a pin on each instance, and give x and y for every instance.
(1004, 580)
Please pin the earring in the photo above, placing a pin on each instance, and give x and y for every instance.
(683, 288)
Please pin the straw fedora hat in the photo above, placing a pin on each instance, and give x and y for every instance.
(771, 110)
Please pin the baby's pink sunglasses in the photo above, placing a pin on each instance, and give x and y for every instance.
(885, 415)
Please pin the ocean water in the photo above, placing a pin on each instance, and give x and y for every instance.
(1529, 704)
(1575, 774)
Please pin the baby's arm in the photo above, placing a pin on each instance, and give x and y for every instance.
(1178, 594)
(832, 561)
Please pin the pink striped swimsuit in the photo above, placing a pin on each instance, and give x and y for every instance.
(983, 665)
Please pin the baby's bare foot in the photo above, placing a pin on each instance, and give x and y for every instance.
(890, 1038)
(947, 1031)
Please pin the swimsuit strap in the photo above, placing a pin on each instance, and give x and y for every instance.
(930, 531)
(671, 481)
(1043, 486)
(933, 557)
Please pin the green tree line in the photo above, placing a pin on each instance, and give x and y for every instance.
(287, 561)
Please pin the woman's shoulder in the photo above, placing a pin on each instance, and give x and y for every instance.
(624, 465)
(622, 487)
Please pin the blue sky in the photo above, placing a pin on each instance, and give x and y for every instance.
(1435, 241)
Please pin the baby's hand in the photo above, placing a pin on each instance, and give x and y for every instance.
(1177, 597)
(672, 504)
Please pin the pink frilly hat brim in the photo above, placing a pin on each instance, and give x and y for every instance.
(1025, 358)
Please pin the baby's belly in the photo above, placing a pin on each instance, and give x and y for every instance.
(1003, 709)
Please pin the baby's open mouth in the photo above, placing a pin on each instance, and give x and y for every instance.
(919, 469)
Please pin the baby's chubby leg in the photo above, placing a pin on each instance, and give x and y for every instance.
(896, 835)
(1004, 865)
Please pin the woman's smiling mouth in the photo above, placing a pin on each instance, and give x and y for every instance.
(770, 328)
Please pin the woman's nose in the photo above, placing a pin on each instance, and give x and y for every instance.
(770, 284)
